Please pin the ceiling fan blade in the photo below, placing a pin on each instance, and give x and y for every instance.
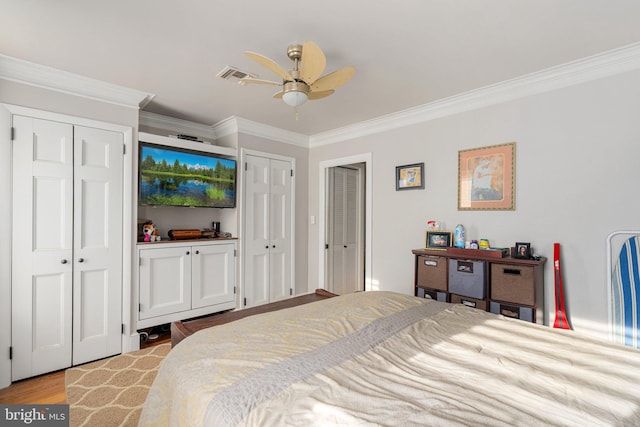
(270, 64)
(313, 62)
(320, 95)
(334, 80)
(258, 81)
(278, 95)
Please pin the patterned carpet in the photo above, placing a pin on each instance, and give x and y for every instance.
(111, 392)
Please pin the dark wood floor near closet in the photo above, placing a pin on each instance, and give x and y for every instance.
(49, 388)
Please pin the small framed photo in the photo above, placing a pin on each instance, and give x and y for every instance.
(438, 240)
(523, 250)
(410, 177)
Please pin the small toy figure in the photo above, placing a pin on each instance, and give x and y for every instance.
(150, 232)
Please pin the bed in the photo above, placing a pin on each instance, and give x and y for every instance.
(382, 358)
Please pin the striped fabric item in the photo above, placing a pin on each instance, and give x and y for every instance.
(625, 282)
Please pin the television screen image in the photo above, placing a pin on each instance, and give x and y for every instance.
(176, 177)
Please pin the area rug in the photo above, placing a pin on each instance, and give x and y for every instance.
(111, 392)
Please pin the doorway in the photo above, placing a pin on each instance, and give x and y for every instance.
(345, 224)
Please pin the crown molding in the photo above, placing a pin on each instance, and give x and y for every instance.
(174, 125)
(234, 125)
(28, 73)
(616, 61)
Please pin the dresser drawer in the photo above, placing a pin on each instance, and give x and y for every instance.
(513, 283)
(431, 272)
(469, 302)
(514, 311)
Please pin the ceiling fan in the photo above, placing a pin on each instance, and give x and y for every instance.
(303, 82)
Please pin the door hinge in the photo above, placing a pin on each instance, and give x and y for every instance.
(122, 329)
(245, 302)
(290, 291)
(10, 353)
(234, 290)
(245, 166)
(291, 172)
(235, 252)
(13, 133)
(139, 307)
(326, 246)
(124, 149)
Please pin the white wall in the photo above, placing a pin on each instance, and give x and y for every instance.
(577, 172)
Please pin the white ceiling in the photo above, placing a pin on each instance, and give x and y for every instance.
(406, 52)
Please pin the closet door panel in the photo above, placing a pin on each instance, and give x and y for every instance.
(41, 281)
(98, 172)
(256, 278)
(280, 230)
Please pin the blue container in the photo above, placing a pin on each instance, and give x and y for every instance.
(459, 236)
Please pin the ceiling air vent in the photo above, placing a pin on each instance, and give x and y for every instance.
(231, 73)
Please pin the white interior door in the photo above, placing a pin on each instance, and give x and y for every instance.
(97, 283)
(42, 255)
(280, 230)
(256, 260)
(67, 245)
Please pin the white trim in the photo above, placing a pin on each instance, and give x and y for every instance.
(233, 125)
(25, 72)
(322, 220)
(605, 64)
(172, 124)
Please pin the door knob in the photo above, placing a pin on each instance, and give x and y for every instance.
(64, 261)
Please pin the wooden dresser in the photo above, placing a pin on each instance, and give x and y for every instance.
(482, 279)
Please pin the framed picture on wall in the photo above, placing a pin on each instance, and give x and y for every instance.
(487, 178)
(410, 177)
(438, 240)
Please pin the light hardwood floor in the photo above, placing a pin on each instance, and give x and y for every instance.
(48, 388)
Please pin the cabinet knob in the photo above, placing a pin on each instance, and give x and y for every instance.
(80, 259)
(197, 252)
(266, 247)
(188, 252)
(273, 246)
(345, 246)
(64, 261)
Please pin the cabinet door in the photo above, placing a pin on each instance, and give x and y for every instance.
(165, 281)
(213, 275)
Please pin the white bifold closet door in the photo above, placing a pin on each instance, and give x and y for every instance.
(268, 240)
(66, 245)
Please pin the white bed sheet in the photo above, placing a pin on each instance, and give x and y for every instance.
(459, 366)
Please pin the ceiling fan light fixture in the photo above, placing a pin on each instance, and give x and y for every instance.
(294, 98)
(295, 93)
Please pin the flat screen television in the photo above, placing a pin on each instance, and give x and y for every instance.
(171, 176)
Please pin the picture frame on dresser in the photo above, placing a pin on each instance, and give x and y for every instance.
(439, 240)
(522, 250)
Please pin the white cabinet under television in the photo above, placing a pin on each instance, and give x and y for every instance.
(184, 279)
